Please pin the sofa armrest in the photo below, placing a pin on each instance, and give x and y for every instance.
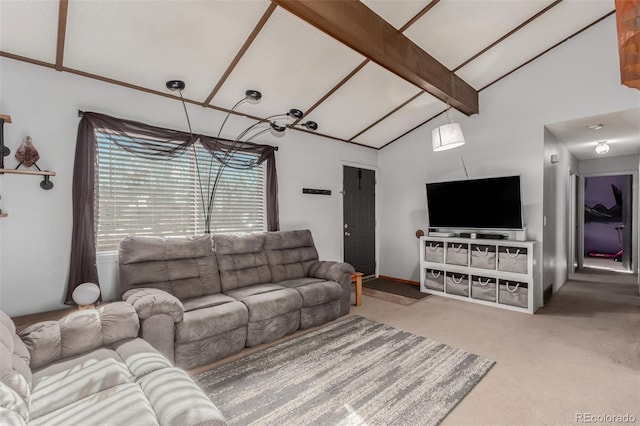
(152, 301)
(79, 332)
(339, 272)
(332, 271)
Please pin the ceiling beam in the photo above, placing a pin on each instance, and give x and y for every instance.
(62, 31)
(357, 26)
(628, 24)
(256, 30)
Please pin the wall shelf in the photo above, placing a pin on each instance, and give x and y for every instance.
(28, 172)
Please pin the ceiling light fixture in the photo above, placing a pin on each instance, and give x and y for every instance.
(602, 147)
(276, 124)
(595, 126)
(447, 136)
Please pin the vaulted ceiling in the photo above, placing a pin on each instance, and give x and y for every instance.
(221, 48)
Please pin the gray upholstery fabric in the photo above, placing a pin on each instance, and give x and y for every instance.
(212, 321)
(15, 375)
(76, 362)
(140, 357)
(147, 249)
(184, 267)
(319, 293)
(339, 272)
(241, 293)
(115, 406)
(271, 329)
(18, 384)
(11, 400)
(152, 301)
(242, 260)
(70, 385)
(207, 301)
(177, 400)
(10, 417)
(290, 254)
(275, 277)
(210, 349)
(44, 342)
(79, 332)
(275, 303)
(159, 331)
(108, 385)
(299, 282)
(316, 315)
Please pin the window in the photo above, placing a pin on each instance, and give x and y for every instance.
(147, 195)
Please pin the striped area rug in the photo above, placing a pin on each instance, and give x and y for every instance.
(351, 372)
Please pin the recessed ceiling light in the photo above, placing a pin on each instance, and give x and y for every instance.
(595, 126)
(602, 147)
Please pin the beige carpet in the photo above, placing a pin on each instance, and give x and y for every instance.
(579, 354)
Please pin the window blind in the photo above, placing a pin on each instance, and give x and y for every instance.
(147, 195)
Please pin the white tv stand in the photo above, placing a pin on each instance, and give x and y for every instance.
(494, 272)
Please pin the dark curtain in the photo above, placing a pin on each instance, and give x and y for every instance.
(142, 140)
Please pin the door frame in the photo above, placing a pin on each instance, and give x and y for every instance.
(575, 241)
(635, 194)
(377, 207)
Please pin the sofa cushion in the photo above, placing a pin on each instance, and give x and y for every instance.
(10, 400)
(242, 260)
(272, 304)
(11, 418)
(140, 357)
(115, 406)
(290, 254)
(212, 321)
(297, 282)
(207, 301)
(177, 400)
(241, 293)
(184, 267)
(77, 381)
(319, 293)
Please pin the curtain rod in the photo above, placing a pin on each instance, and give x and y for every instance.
(81, 114)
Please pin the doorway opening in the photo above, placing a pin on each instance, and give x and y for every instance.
(608, 225)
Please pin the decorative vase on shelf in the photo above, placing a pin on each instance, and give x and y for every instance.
(27, 154)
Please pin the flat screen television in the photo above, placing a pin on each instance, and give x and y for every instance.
(492, 203)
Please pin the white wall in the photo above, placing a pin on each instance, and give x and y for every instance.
(577, 79)
(35, 238)
(556, 211)
(623, 163)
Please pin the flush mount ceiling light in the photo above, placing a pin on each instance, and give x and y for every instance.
(447, 136)
(602, 147)
(595, 126)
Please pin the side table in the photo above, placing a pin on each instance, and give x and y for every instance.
(357, 279)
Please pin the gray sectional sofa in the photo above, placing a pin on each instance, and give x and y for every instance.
(204, 298)
(90, 368)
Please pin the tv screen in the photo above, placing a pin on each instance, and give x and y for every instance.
(492, 203)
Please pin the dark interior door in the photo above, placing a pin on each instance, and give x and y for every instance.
(359, 233)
